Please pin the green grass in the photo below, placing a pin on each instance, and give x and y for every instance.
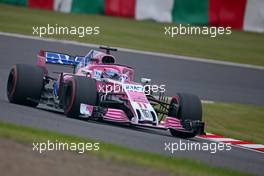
(116, 153)
(243, 122)
(240, 47)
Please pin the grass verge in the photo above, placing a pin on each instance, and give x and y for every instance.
(119, 154)
(240, 47)
(243, 122)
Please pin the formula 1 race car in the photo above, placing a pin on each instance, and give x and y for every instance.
(100, 89)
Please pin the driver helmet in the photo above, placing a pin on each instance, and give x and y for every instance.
(111, 74)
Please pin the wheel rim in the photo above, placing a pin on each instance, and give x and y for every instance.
(174, 102)
(69, 97)
(11, 84)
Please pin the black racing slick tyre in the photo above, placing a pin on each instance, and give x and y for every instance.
(24, 85)
(189, 107)
(79, 90)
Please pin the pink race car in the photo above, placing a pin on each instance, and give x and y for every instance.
(100, 89)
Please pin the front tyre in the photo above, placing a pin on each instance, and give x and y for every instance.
(79, 90)
(186, 106)
(24, 85)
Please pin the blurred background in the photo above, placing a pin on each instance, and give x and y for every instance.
(245, 15)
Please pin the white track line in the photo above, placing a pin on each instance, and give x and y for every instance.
(208, 102)
(224, 139)
(253, 146)
(136, 51)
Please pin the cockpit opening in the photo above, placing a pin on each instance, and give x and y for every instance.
(108, 60)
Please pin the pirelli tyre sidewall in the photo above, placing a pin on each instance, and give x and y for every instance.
(79, 90)
(24, 84)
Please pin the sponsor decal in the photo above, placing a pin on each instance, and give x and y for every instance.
(59, 58)
(134, 87)
(97, 74)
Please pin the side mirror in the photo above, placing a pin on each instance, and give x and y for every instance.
(145, 80)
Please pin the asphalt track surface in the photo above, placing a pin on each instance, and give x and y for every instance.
(209, 81)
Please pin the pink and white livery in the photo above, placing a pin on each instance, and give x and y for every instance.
(99, 89)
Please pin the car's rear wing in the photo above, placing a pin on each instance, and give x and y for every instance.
(49, 57)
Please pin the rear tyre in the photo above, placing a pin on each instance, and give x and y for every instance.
(79, 90)
(24, 85)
